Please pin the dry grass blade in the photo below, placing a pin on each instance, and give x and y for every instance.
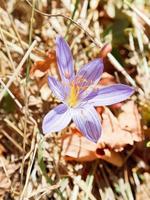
(23, 194)
(17, 70)
(90, 179)
(5, 170)
(10, 124)
(7, 49)
(139, 13)
(75, 191)
(44, 191)
(11, 94)
(12, 141)
(84, 187)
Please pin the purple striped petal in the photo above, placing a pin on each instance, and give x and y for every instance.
(90, 73)
(64, 60)
(88, 122)
(57, 88)
(56, 119)
(109, 95)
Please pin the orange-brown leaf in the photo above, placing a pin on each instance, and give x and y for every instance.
(129, 119)
(45, 64)
(77, 147)
(107, 79)
(112, 135)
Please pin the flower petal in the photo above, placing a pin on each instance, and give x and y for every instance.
(109, 95)
(89, 74)
(57, 88)
(88, 122)
(64, 59)
(56, 119)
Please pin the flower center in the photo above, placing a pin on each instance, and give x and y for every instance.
(73, 96)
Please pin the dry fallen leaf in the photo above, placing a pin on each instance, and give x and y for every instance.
(107, 79)
(116, 134)
(129, 119)
(40, 67)
(112, 135)
(40, 70)
(77, 147)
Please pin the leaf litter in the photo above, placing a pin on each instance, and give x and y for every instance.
(72, 167)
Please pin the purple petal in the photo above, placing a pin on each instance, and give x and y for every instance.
(56, 119)
(89, 74)
(88, 122)
(57, 88)
(64, 59)
(109, 95)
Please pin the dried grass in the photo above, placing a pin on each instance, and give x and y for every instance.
(32, 166)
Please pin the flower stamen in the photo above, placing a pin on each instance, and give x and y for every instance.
(73, 96)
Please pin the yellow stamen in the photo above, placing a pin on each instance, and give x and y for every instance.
(73, 97)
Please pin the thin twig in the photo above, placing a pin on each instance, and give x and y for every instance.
(70, 19)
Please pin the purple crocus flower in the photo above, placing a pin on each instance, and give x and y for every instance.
(78, 95)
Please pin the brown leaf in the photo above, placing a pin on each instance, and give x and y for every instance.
(77, 147)
(115, 136)
(40, 67)
(107, 79)
(112, 135)
(129, 119)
